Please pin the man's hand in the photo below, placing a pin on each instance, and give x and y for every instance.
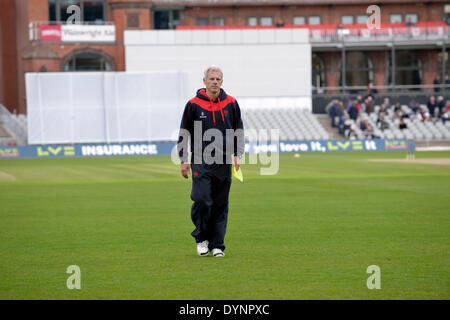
(236, 162)
(185, 167)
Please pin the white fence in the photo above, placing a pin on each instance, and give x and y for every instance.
(104, 106)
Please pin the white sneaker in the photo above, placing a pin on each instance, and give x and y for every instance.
(217, 253)
(202, 248)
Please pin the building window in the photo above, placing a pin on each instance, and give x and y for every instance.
(395, 18)
(52, 10)
(202, 21)
(314, 20)
(252, 21)
(93, 11)
(361, 19)
(88, 61)
(408, 68)
(166, 19)
(358, 69)
(347, 19)
(412, 17)
(64, 5)
(161, 20)
(175, 18)
(298, 21)
(90, 10)
(218, 21)
(318, 73)
(266, 21)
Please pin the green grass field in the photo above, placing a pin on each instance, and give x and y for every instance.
(309, 232)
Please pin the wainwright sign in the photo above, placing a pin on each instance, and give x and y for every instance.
(78, 33)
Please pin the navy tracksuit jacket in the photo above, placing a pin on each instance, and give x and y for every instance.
(211, 167)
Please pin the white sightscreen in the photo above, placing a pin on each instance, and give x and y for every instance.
(257, 63)
(106, 107)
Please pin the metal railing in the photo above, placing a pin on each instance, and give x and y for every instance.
(35, 26)
(430, 88)
(383, 34)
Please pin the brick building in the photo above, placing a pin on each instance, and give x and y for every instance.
(336, 63)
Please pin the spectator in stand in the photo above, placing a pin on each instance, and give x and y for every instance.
(398, 107)
(424, 115)
(346, 127)
(440, 105)
(362, 125)
(363, 104)
(349, 104)
(280, 23)
(447, 83)
(353, 111)
(369, 133)
(382, 111)
(404, 115)
(370, 104)
(384, 125)
(409, 23)
(371, 91)
(415, 107)
(335, 112)
(402, 125)
(387, 103)
(358, 105)
(342, 121)
(367, 129)
(398, 114)
(445, 114)
(351, 133)
(431, 105)
(381, 121)
(436, 83)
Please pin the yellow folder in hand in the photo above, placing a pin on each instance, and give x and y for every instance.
(238, 174)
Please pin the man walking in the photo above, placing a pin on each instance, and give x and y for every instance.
(211, 116)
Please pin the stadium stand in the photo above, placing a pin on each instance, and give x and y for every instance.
(418, 125)
(293, 123)
(13, 128)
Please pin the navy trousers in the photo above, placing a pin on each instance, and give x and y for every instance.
(209, 213)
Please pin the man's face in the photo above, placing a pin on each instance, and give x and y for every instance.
(213, 81)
